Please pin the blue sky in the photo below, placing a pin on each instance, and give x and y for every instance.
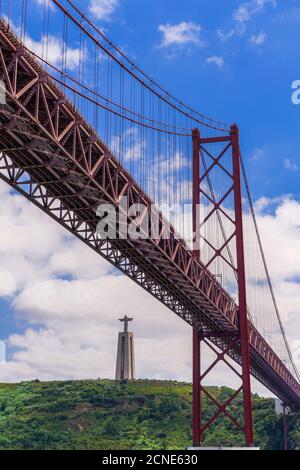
(231, 60)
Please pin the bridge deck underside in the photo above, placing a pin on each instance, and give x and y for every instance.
(53, 158)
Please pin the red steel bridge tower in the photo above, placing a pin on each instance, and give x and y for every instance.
(230, 150)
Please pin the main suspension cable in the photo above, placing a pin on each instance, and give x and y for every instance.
(87, 88)
(121, 64)
(116, 113)
(251, 205)
(136, 67)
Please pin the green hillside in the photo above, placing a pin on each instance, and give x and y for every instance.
(103, 414)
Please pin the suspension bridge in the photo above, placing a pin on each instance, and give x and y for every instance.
(81, 125)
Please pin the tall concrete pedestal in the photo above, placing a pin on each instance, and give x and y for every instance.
(125, 368)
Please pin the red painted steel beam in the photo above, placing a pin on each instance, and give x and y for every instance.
(196, 253)
(215, 140)
(243, 320)
(244, 332)
(196, 389)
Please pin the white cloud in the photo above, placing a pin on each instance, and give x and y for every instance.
(180, 34)
(166, 166)
(2, 352)
(258, 39)
(289, 165)
(48, 3)
(103, 9)
(34, 247)
(224, 36)
(243, 15)
(280, 235)
(52, 48)
(258, 154)
(289, 16)
(216, 60)
(131, 144)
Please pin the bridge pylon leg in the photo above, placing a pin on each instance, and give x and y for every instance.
(196, 253)
(197, 434)
(285, 430)
(241, 280)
